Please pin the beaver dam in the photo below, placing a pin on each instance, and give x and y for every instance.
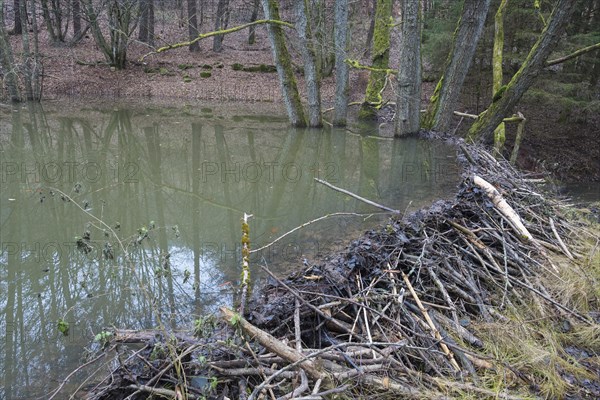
(493, 294)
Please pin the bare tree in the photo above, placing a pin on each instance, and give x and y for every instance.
(507, 97)
(311, 75)
(221, 22)
(146, 31)
(18, 27)
(445, 97)
(408, 104)
(193, 24)
(342, 38)
(254, 17)
(283, 62)
(7, 61)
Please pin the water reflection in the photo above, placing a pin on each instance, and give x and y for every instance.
(131, 218)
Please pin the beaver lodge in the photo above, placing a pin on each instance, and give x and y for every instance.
(493, 294)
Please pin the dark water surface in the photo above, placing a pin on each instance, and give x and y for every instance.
(130, 217)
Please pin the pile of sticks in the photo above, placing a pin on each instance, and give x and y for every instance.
(388, 317)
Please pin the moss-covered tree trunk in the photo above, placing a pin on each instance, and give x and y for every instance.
(311, 74)
(497, 74)
(445, 97)
(507, 97)
(342, 38)
(408, 103)
(7, 61)
(283, 62)
(379, 60)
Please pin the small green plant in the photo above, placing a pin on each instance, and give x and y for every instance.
(63, 327)
(213, 383)
(151, 70)
(204, 326)
(165, 72)
(103, 338)
(205, 74)
(206, 66)
(237, 67)
(183, 67)
(187, 78)
(158, 352)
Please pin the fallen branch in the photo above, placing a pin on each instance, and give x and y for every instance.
(274, 345)
(372, 203)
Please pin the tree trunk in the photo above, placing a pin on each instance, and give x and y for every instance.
(447, 91)
(369, 40)
(18, 27)
(221, 22)
(311, 75)
(505, 99)
(193, 25)
(282, 59)
(7, 61)
(254, 17)
(342, 38)
(76, 18)
(408, 104)
(143, 30)
(146, 30)
(497, 75)
(379, 60)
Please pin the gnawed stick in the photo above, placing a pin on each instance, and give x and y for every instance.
(357, 197)
(434, 330)
(560, 241)
(505, 209)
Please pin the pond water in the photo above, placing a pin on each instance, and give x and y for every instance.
(130, 217)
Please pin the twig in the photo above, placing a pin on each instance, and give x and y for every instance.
(372, 203)
(337, 214)
(560, 241)
(434, 330)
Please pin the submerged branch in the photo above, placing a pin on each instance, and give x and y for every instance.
(370, 202)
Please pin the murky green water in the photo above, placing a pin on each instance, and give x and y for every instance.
(131, 218)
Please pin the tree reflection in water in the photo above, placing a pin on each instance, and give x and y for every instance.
(173, 188)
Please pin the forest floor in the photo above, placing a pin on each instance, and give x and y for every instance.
(563, 144)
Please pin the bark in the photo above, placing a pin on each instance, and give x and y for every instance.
(193, 24)
(497, 74)
(505, 100)
(311, 75)
(282, 59)
(7, 61)
(379, 60)
(342, 38)
(221, 22)
(408, 104)
(447, 91)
